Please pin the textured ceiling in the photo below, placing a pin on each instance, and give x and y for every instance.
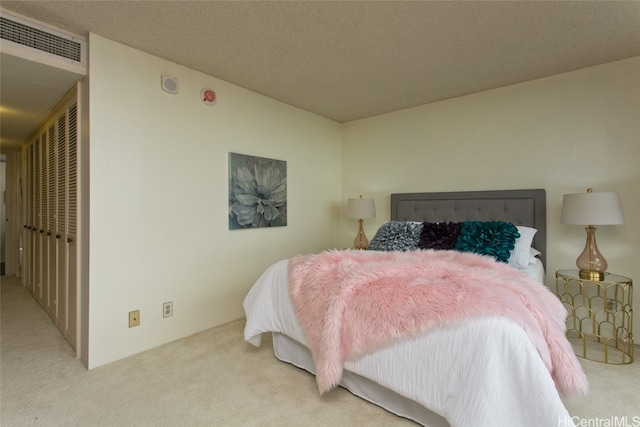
(354, 59)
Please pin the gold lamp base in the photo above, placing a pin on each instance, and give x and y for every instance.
(361, 242)
(591, 263)
(592, 275)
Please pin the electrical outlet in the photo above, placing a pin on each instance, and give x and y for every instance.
(167, 309)
(612, 305)
(134, 318)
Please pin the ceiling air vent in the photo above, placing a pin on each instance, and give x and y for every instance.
(40, 38)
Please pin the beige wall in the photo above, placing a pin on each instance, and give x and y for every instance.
(158, 180)
(159, 198)
(562, 133)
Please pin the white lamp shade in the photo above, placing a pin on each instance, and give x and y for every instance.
(592, 209)
(361, 208)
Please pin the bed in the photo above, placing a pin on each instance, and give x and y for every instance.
(484, 371)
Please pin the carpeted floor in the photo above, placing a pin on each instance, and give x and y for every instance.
(212, 378)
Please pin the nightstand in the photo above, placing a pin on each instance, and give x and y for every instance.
(600, 318)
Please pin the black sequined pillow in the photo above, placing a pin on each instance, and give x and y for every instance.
(439, 235)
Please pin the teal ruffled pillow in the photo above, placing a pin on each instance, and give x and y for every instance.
(493, 238)
(396, 236)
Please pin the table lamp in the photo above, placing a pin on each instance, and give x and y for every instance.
(591, 209)
(361, 209)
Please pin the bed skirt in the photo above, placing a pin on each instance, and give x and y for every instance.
(291, 351)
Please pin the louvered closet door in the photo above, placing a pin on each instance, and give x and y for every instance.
(72, 226)
(61, 222)
(35, 257)
(37, 225)
(27, 235)
(51, 262)
(51, 226)
(32, 218)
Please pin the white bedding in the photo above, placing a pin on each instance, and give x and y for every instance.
(484, 373)
(535, 270)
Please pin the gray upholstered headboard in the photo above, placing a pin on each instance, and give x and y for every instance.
(520, 207)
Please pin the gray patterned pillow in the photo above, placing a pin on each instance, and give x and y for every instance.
(396, 236)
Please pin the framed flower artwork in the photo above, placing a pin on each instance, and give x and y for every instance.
(257, 192)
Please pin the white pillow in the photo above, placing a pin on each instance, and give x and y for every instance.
(521, 254)
(533, 255)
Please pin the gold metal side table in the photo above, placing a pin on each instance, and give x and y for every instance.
(600, 318)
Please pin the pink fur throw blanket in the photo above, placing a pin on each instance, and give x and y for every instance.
(350, 303)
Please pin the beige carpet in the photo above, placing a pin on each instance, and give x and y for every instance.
(210, 379)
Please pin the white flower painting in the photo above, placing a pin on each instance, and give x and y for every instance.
(257, 192)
